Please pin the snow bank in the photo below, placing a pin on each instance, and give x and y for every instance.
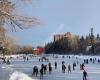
(19, 76)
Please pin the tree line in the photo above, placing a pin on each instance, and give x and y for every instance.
(76, 45)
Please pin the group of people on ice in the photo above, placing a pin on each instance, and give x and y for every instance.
(43, 70)
(4, 60)
(69, 67)
(49, 67)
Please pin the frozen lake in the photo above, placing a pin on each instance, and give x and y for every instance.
(19, 68)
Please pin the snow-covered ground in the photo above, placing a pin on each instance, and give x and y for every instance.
(20, 70)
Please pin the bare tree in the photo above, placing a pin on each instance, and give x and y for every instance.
(14, 21)
(10, 44)
(10, 20)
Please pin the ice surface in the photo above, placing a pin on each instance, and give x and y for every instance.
(20, 70)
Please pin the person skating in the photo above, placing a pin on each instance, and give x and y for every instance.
(35, 71)
(74, 65)
(84, 75)
(50, 68)
(39, 59)
(93, 61)
(8, 62)
(27, 58)
(63, 68)
(83, 66)
(41, 73)
(87, 61)
(69, 68)
(55, 65)
(45, 69)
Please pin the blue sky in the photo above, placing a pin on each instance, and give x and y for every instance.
(76, 16)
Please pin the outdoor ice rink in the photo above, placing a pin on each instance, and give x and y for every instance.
(20, 70)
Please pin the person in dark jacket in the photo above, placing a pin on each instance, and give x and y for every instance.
(74, 65)
(35, 71)
(55, 65)
(63, 68)
(69, 68)
(41, 73)
(45, 69)
(50, 68)
(84, 75)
